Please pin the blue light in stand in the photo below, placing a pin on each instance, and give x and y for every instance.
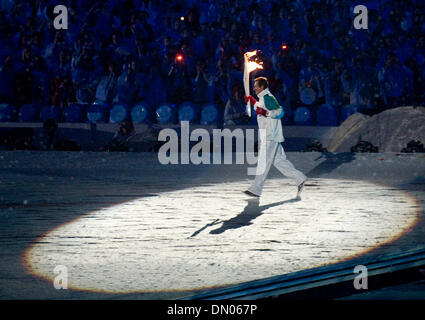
(165, 114)
(97, 113)
(7, 113)
(209, 114)
(75, 112)
(302, 116)
(29, 113)
(188, 112)
(141, 113)
(327, 116)
(118, 113)
(51, 112)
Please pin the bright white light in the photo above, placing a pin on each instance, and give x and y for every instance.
(252, 65)
(212, 235)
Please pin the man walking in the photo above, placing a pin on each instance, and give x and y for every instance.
(269, 113)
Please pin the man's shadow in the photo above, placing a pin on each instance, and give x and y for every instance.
(251, 211)
(332, 161)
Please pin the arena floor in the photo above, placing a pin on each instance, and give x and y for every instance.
(123, 226)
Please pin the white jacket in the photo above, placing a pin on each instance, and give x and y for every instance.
(272, 123)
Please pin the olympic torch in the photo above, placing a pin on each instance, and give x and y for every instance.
(249, 66)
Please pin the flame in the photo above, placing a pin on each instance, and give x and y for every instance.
(250, 54)
(252, 65)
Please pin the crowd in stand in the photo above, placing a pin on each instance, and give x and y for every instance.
(170, 51)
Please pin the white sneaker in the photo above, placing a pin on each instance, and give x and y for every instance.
(251, 194)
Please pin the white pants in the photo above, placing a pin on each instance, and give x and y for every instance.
(274, 155)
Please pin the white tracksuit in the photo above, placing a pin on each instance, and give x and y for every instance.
(274, 153)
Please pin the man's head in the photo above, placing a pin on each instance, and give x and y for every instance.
(260, 84)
